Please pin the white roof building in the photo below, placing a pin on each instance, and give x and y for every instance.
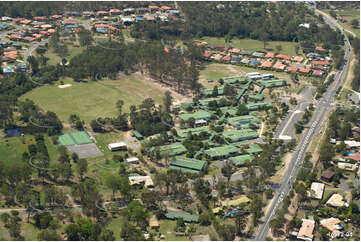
(336, 200)
(147, 180)
(347, 166)
(132, 159)
(352, 143)
(305, 25)
(316, 190)
(117, 146)
(249, 74)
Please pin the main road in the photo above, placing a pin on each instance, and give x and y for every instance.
(322, 109)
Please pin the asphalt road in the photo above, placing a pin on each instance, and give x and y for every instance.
(285, 130)
(322, 109)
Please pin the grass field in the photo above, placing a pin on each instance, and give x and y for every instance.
(92, 99)
(54, 59)
(287, 47)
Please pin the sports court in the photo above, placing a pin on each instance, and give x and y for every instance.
(75, 138)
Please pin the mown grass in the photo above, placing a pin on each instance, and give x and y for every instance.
(92, 99)
(288, 48)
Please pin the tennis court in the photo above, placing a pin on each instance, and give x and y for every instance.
(75, 138)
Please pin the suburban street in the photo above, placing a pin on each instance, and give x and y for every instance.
(322, 109)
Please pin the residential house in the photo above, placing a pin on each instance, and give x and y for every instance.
(279, 66)
(332, 224)
(297, 59)
(266, 64)
(336, 200)
(283, 57)
(306, 230)
(146, 180)
(269, 55)
(327, 175)
(317, 73)
(316, 190)
(292, 69)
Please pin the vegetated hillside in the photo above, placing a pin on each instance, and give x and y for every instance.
(256, 20)
(341, 5)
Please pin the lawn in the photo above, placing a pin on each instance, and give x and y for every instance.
(92, 99)
(54, 59)
(288, 48)
(11, 149)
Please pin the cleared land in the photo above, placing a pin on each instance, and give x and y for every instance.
(92, 99)
(287, 47)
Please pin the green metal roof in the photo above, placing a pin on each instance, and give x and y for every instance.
(256, 106)
(205, 102)
(222, 151)
(234, 79)
(171, 149)
(187, 105)
(239, 135)
(137, 135)
(184, 132)
(256, 96)
(185, 216)
(187, 164)
(230, 110)
(209, 91)
(273, 83)
(241, 159)
(254, 148)
(196, 115)
(257, 54)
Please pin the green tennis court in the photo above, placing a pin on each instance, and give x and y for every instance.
(75, 138)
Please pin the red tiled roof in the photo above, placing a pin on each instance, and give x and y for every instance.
(206, 54)
(40, 18)
(56, 16)
(267, 64)
(102, 12)
(269, 55)
(166, 8)
(304, 70)
(279, 65)
(115, 11)
(282, 56)
(317, 73)
(234, 50)
(355, 156)
(319, 63)
(292, 69)
(226, 58)
(298, 58)
(166, 49)
(15, 36)
(320, 48)
(153, 7)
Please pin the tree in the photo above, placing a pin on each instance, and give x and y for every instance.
(227, 170)
(83, 229)
(355, 23)
(85, 38)
(226, 231)
(215, 91)
(48, 235)
(242, 109)
(107, 235)
(82, 167)
(278, 48)
(129, 232)
(120, 104)
(167, 101)
(240, 221)
(113, 182)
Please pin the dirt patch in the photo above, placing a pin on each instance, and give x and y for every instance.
(178, 98)
(280, 174)
(65, 85)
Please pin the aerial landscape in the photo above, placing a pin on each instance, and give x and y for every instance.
(180, 121)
